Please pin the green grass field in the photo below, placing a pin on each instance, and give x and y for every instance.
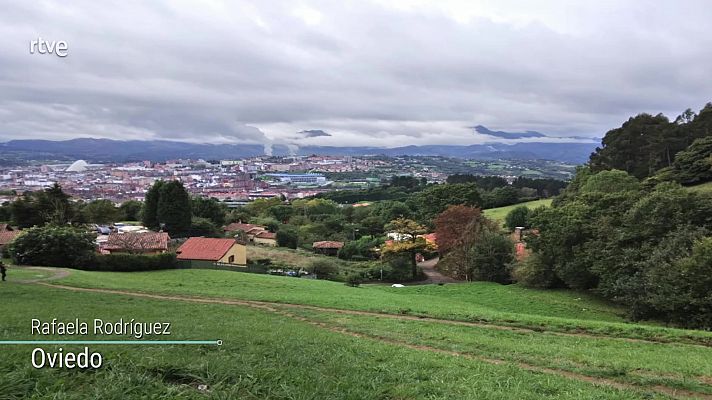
(499, 213)
(290, 338)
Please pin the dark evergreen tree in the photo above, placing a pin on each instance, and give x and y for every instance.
(174, 212)
(150, 205)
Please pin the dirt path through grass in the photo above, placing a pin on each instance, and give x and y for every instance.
(282, 309)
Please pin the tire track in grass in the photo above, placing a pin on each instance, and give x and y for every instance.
(279, 308)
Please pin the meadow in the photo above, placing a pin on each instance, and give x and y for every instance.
(291, 338)
(500, 213)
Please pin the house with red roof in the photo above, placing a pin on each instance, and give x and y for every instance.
(200, 252)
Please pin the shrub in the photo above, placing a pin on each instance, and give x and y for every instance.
(534, 272)
(323, 269)
(354, 280)
(53, 246)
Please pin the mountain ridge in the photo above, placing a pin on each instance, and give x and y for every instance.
(110, 150)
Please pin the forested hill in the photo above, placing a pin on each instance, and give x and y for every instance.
(646, 144)
(106, 150)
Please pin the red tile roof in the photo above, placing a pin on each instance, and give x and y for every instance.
(137, 241)
(199, 248)
(327, 245)
(7, 237)
(239, 226)
(266, 235)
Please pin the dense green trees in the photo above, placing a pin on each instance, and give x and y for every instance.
(209, 208)
(645, 144)
(49, 206)
(613, 234)
(54, 246)
(101, 212)
(436, 198)
(131, 210)
(694, 164)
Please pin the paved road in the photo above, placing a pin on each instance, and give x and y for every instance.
(434, 276)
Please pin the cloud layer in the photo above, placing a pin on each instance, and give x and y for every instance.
(364, 73)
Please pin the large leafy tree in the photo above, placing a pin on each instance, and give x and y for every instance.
(451, 224)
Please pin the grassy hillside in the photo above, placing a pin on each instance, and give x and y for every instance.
(560, 311)
(498, 214)
(280, 351)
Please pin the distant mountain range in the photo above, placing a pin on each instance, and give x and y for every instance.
(107, 150)
(508, 135)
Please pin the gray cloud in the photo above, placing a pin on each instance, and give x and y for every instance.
(370, 73)
(311, 133)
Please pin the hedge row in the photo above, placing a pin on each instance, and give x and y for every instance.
(130, 262)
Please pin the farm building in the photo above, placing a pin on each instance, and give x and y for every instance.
(266, 238)
(329, 248)
(200, 252)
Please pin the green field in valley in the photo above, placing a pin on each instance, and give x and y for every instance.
(499, 213)
(291, 338)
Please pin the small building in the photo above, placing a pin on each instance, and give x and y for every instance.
(200, 252)
(6, 237)
(136, 243)
(250, 233)
(329, 248)
(266, 238)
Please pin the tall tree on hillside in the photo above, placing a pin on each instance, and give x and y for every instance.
(150, 205)
(174, 208)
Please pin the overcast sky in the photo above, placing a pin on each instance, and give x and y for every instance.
(382, 73)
